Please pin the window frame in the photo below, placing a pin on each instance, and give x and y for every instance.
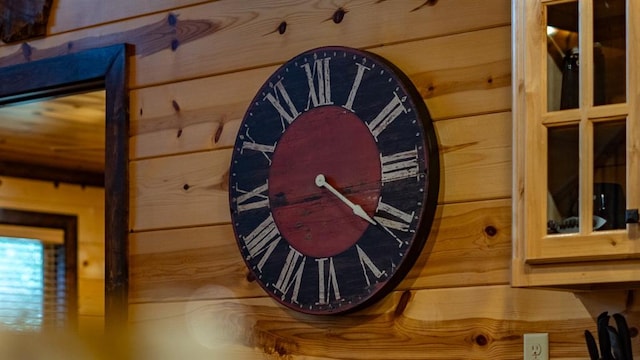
(588, 258)
(69, 226)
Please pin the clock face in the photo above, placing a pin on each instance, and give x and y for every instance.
(333, 181)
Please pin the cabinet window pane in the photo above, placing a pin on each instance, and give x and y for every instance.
(609, 52)
(609, 175)
(563, 78)
(562, 179)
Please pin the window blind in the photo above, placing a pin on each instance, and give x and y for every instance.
(32, 287)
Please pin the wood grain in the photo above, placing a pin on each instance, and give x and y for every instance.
(181, 190)
(180, 117)
(475, 163)
(255, 26)
(459, 323)
(469, 245)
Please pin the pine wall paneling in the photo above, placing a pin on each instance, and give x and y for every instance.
(197, 64)
(87, 203)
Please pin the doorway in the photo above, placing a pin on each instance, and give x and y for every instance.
(76, 73)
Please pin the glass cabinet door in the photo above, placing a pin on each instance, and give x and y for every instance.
(576, 135)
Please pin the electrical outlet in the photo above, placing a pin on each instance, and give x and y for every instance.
(536, 346)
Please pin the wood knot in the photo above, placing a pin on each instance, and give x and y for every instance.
(491, 230)
(489, 80)
(174, 44)
(338, 15)
(481, 340)
(172, 19)
(218, 134)
(186, 187)
(282, 27)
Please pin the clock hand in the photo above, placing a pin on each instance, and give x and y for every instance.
(357, 209)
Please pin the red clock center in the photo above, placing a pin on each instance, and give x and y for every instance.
(334, 142)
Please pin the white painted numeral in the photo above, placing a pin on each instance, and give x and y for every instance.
(322, 75)
(253, 145)
(401, 165)
(355, 86)
(250, 145)
(366, 263)
(290, 113)
(263, 240)
(253, 199)
(402, 225)
(291, 275)
(391, 111)
(326, 285)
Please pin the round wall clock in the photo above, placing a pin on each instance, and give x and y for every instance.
(334, 180)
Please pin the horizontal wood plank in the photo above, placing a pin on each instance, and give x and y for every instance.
(180, 191)
(476, 156)
(470, 244)
(73, 14)
(202, 40)
(205, 113)
(459, 323)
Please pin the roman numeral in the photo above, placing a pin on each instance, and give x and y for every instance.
(366, 263)
(255, 146)
(290, 113)
(291, 275)
(253, 199)
(262, 240)
(355, 86)
(402, 225)
(251, 145)
(389, 113)
(331, 282)
(321, 75)
(400, 165)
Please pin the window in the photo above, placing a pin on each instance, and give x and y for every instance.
(32, 285)
(38, 276)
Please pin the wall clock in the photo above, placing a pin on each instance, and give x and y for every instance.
(333, 181)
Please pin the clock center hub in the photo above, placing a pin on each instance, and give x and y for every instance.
(336, 143)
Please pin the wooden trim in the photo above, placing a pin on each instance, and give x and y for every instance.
(69, 225)
(81, 71)
(49, 173)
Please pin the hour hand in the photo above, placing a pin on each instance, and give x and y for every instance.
(357, 209)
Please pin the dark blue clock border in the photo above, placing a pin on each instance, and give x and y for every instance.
(250, 169)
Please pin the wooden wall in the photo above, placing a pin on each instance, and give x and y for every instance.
(87, 203)
(197, 64)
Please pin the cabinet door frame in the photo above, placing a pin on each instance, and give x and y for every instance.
(587, 258)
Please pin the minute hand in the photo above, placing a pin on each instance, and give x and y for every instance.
(357, 209)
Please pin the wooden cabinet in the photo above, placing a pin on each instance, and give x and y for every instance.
(576, 143)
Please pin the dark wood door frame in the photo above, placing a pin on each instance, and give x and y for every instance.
(103, 68)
